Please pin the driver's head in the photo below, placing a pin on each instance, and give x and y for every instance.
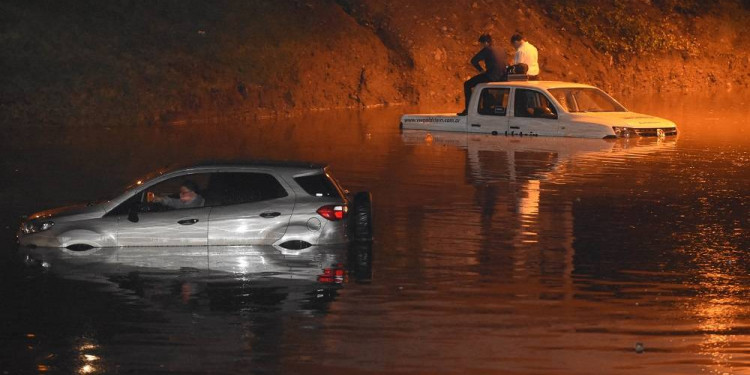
(188, 191)
(517, 40)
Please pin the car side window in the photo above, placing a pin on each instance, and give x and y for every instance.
(167, 195)
(175, 193)
(229, 188)
(494, 102)
(318, 185)
(533, 104)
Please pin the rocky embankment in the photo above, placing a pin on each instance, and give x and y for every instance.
(134, 62)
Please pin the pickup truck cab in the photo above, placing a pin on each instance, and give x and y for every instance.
(544, 108)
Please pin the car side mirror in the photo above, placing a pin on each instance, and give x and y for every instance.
(133, 213)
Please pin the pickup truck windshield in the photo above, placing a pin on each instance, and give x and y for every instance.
(585, 100)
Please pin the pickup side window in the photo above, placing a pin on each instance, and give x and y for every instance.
(534, 104)
(494, 102)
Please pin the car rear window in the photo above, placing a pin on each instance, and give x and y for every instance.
(318, 185)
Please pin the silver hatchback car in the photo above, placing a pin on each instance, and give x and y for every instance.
(292, 205)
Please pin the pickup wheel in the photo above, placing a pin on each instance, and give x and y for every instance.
(361, 217)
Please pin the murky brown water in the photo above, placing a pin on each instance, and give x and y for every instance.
(493, 255)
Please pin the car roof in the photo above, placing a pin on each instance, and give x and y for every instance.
(540, 84)
(286, 166)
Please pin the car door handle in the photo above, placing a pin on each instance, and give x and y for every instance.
(269, 215)
(515, 127)
(187, 221)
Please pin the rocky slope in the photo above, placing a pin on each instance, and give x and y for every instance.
(131, 62)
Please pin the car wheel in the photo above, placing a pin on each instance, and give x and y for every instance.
(361, 217)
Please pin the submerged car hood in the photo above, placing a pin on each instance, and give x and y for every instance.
(74, 210)
(629, 119)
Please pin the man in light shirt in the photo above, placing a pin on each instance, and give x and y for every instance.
(526, 54)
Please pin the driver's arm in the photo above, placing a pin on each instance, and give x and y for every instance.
(162, 200)
(169, 202)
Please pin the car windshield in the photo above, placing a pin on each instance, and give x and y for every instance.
(585, 99)
(133, 185)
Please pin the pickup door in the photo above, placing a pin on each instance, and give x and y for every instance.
(492, 111)
(533, 114)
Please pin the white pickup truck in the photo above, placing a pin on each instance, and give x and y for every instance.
(544, 108)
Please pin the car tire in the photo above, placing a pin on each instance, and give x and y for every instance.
(361, 217)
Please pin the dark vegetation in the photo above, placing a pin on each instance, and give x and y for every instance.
(67, 62)
(626, 31)
(153, 62)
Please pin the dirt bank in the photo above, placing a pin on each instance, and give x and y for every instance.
(129, 62)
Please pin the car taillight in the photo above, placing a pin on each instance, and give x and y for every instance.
(332, 212)
(334, 274)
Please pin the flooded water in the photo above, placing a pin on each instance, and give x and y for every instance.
(493, 255)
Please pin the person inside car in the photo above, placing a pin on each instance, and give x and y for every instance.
(189, 198)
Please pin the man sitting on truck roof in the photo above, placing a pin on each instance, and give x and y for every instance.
(526, 54)
(493, 71)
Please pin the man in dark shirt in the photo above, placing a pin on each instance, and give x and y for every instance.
(494, 68)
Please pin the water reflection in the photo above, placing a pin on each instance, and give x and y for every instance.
(253, 296)
(88, 361)
(518, 204)
(493, 254)
(236, 266)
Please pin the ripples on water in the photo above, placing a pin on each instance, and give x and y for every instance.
(493, 255)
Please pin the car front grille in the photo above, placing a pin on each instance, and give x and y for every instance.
(654, 132)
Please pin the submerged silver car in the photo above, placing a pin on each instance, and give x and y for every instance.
(292, 205)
